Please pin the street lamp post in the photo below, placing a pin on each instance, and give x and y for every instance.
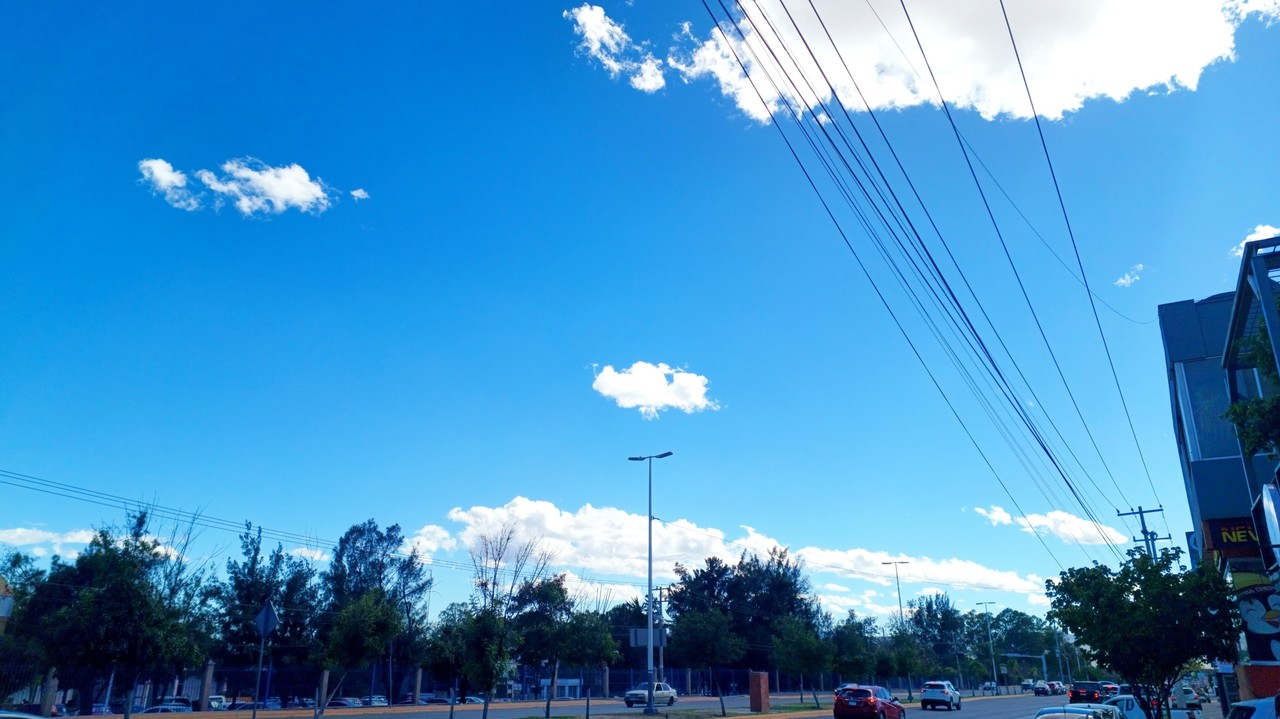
(991, 647)
(901, 616)
(648, 707)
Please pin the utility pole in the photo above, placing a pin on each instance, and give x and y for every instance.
(991, 647)
(1149, 538)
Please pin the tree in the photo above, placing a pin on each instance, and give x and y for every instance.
(1257, 419)
(589, 642)
(798, 650)
(853, 646)
(1147, 620)
(541, 611)
(447, 645)
(937, 625)
(106, 611)
(704, 638)
(361, 632)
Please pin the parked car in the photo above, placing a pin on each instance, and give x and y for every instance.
(1086, 692)
(57, 710)
(1110, 689)
(867, 702)
(1131, 708)
(168, 709)
(1253, 709)
(988, 687)
(437, 700)
(1079, 711)
(1041, 688)
(217, 702)
(1185, 697)
(343, 703)
(939, 694)
(662, 694)
(376, 700)
(302, 703)
(423, 698)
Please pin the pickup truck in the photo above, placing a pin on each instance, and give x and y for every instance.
(1131, 709)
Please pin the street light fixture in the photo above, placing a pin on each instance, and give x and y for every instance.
(991, 647)
(648, 707)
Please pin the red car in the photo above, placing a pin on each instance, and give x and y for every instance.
(862, 701)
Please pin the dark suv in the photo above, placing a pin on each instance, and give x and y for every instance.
(1086, 692)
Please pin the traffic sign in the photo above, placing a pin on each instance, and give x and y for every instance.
(267, 620)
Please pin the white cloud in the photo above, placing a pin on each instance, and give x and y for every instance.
(997, 515)
(257, 187)
(868, 565)
(1038, 600)
(1072, 52)
(360, 194)
(609, 44)
(315, 555)
(171, 183)
(1130, 277)
(647, 387)
(430, 539)
(1261, 232)
(30, 537)
(931, 591)
(835, 587)
(1070, 528)
(251, 185)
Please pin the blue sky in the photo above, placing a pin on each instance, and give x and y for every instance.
(448, 266)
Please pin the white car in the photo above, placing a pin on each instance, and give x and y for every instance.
(939, 694)
(662, 694)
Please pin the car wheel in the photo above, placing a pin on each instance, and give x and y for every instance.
(959, 703)
(629, 705)
(671, 701)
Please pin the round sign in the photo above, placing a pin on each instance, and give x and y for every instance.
(1004, 669)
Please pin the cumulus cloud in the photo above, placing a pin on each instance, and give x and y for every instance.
(1038, 600)
(1072, 52)
(255, 187)
(430, 539)
(608, 43)
(315, 555)
(1063, 525)
(1261, 232)
(1130, 277)
(43, 541)
(250, 185)
(168, 182)
(1070, 528)
(609, 542)
(997, 515)
(360, 194)
(653, 388)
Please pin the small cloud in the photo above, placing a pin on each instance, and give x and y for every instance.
(1131, 276)
(170, 183)
(997, 515)
(931, 591)
(609, 44)
(257, 187)
(430, 539)
(360, 194)
(1038, 600)
(27, 537)
(315, 555)
(653, 388)
(835, 588)
(1261, 232)
(1070, 528)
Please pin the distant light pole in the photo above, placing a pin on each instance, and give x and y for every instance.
(648, 709)
(901, 616)
(898, 582)
(991, 647)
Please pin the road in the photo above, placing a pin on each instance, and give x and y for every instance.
(1016, 706)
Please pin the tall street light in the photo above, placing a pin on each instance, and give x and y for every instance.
(991, 647)
(901, 616)
(648, 708)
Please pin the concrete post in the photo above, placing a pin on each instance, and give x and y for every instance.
(417, 686)
(206, 687)
(49, 692)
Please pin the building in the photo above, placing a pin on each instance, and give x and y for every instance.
(1214, 349)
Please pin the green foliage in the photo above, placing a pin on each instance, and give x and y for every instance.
(854, 646)
(362, 630)
(1147, 621)
(1257, 420)
(703, 638)
(798, 650)
(756, 593)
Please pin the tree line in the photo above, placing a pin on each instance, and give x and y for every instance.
(132, 608)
